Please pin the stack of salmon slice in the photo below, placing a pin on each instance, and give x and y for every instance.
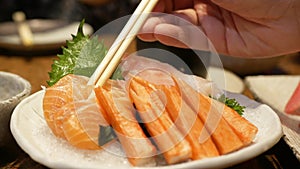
(148, 118)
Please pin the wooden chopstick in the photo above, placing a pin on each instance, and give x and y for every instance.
(118, 48)
(117, 43)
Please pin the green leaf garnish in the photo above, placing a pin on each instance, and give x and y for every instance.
(232, 103)
(66, 62)
(91, 55)
(81, 56)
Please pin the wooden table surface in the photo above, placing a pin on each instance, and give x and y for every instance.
(35, 69)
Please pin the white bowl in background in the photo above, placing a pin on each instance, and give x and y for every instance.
(13, 89)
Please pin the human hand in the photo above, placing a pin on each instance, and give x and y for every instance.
(245, 28)
(94, 2)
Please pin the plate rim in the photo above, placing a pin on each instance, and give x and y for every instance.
(225, 159)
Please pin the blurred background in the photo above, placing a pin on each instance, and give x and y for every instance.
(52, 22)
(96, 12)
(100, 12)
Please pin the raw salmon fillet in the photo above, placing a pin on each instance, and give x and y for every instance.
(245, 130)
(71, 115)
(241, 127)
(56, 97)
(189, 123)
(120, 113)
(186, 120)
(81, 124)
(155, 72)
(167, 137)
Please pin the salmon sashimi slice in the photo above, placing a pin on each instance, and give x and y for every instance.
(120, 113)
(57, 97)
(81, 124)
(71, 115)
(185, 119)
(221, 132)
(189, 123)
(171, 143)
(224, 137)
(135, 65)
(245, 130)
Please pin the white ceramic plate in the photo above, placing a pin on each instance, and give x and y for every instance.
(48, 34)
(32, 134)
(276, 91)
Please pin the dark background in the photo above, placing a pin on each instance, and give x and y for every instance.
(71, 10)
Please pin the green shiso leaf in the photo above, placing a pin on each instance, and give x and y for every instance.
(66, 61)
(81, 56)
(90, 57)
